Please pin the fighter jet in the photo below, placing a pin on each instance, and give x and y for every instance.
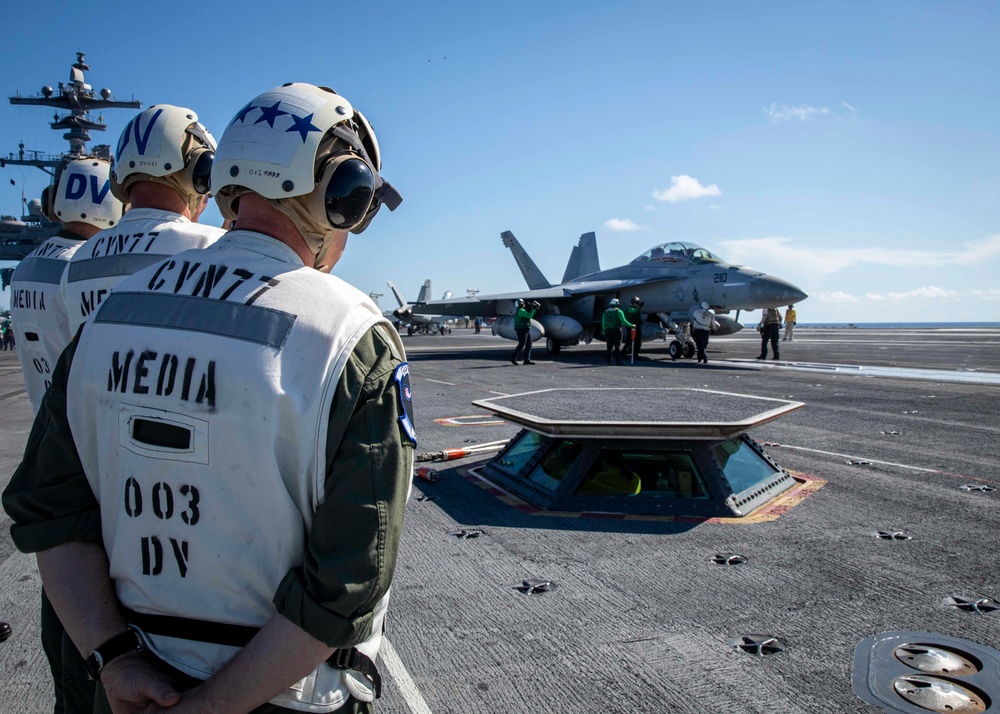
(419, 322)
(671, 279)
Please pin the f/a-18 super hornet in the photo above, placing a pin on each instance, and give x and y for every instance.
(671, 279)
(420, 322)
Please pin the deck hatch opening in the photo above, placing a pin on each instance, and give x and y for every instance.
(642, 451)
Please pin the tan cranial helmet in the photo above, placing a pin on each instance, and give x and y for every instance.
(311, 154)
(83, 194)
(165, 144)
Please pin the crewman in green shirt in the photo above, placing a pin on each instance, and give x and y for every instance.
(612, 322)
(522, 326)
(633, 313)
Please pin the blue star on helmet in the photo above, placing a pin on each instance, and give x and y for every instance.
(241, 115)
(303, 125)
(269, 114)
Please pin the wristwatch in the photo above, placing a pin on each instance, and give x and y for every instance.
(128, 641)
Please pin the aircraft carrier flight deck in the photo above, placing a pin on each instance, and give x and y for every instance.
(501, 606)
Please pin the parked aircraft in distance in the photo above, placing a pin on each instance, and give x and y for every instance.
(670, 278)
(419, 322)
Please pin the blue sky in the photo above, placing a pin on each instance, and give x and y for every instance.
(849, 147)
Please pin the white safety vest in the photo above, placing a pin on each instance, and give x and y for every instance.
(143, 236)
(38, 312)
(702, 319)
(199, 401)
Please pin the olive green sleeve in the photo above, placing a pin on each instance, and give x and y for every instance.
(48, 497)
(354, 540)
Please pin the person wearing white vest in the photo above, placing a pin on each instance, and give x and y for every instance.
(233, 442)
(162, 168)
(80, 198)
(703, 324)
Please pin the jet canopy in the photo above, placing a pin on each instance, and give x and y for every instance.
(677, 252)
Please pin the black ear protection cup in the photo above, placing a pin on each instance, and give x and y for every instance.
(344, 191)
(48, 203)
(198, 169)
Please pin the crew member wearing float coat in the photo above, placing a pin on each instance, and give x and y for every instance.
(769, 327)
(522, 328)
(144, 236)
(153, 496)
(633, 313)
(789, 324)
(38, 310)
(611, 325)
(703, 324)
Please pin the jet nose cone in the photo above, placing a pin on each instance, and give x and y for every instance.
(768, 291)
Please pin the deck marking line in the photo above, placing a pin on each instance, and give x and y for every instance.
(874, 461)
(438, 381)
(397, 670)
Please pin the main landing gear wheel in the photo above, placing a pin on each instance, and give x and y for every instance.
(552, 346)
(689, 350)
(409, 329)
(676, 350)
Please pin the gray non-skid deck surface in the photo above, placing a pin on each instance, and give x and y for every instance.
(631, 405)
(641, 619)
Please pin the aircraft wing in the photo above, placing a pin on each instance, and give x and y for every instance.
(487, 305)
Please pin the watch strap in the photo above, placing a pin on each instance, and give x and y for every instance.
(128, 641)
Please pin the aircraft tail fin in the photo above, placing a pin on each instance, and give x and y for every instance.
(583, 260)
(532, 275)
(573, 266)
(425, 292)
(399, 295)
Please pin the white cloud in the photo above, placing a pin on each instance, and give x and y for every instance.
(820, 262)
(849, 108)
(685, 188)
(837, 297)
(930, 292)
(650, 208)
(991, 294)
(785, 112)
(621, 224)
(714, 207)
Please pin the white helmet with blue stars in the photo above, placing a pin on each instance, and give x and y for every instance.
(308, 151)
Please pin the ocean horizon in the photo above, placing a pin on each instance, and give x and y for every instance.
(894, 325)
